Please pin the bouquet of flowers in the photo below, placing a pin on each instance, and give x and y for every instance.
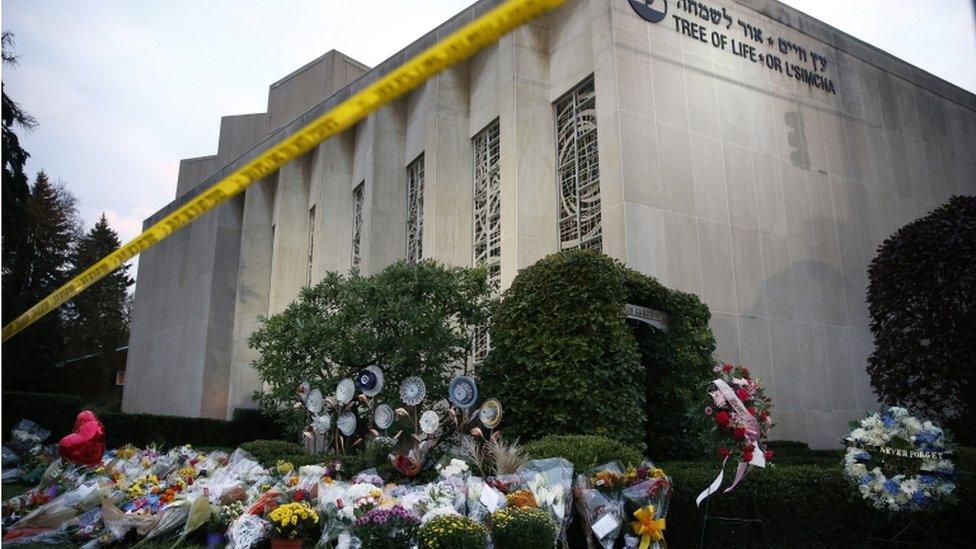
(898, 462)
(646, 499)
(599, 502)
(550, 483)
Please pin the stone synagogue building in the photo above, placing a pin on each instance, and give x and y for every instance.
(736, 149)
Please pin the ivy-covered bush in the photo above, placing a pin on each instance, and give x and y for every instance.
(408, 319)
(922, 301)
(583, 451)
(568, 362)
(676, 365)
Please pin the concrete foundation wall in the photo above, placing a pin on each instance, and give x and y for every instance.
(719, 175)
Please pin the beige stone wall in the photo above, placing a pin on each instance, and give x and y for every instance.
(718, 176)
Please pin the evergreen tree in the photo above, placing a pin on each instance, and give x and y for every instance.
(16, 192)
(52, 228)
(98, 318)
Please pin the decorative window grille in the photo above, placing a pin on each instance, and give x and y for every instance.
(357, 223)
(415, 209)
(577, 169)
(487, 220)
(311, 246)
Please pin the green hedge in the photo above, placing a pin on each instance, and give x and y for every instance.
(57, 412)
(583, 451)
(804, 506)
(52, 411)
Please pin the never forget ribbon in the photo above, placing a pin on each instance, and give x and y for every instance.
(751, 425)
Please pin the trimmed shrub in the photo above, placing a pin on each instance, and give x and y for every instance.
(922, 301)
(563, 351)
(268, 452)
(452, 532)
(583, 451)
(562, 356)
(518, 527)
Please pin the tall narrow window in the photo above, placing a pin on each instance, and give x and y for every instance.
(577, 169)
(311, 246)
(415, 210)
(487, 220)
(357, 223)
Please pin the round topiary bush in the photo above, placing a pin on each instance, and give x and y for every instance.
(922, 301)
(518, 527)
(583, 451)
(452, 532)
(568, 362)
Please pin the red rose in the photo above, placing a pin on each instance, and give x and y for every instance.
(299, 495)
(745, 372)
(768, 454)
(742, 394)
(724, 452)
(746, 457)
(726, 367)
(748, 447)
(722, 419)
(751, 410)
(739, 432)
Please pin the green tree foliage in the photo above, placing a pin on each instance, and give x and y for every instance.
(409, 319)
(565, 361)
(98, 318)
(922, 301)
(52, 229)
(16, 192)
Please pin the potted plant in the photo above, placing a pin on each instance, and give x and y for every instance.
(292, 522)
(391, 528)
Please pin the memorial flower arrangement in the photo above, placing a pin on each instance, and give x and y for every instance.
(156, 493)
(741, 411)
(898, 462)
(738, 404)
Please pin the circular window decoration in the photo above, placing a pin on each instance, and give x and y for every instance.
(322, 424)
(345, 391)
(429, 422)
(462, 392)
(347, 423)
(898, 462)
(314, 401)
(369, 381)
(490, 413)
(383, 416)
(413, 391)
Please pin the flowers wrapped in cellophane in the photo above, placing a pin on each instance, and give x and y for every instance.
(600, 504)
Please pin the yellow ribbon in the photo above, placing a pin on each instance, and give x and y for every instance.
(647, 527)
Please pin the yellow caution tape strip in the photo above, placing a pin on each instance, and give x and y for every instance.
(457, 47)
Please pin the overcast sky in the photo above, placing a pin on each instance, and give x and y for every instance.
(123, 89)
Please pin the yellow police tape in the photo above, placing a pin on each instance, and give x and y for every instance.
(460, 45)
